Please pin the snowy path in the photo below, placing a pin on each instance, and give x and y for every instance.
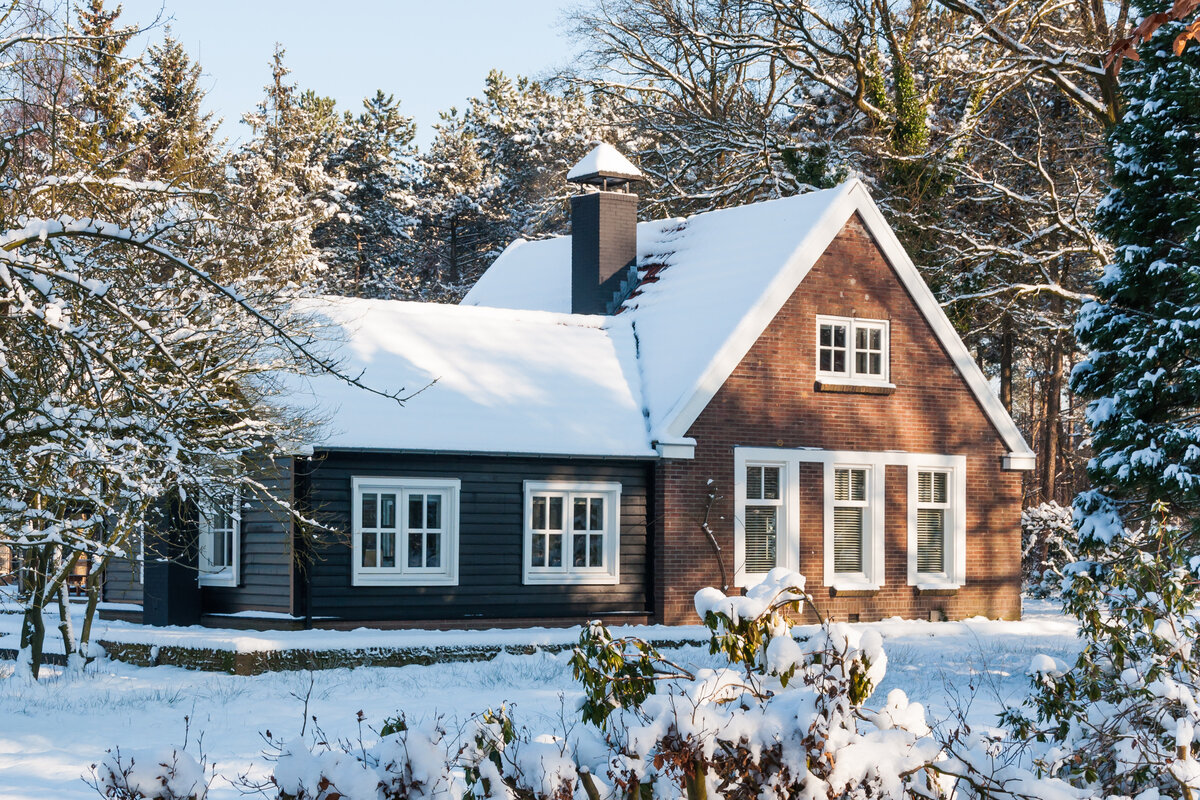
(50, 733)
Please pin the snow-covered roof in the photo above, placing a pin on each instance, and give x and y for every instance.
(719, 278)
(478, 379)
(604, 160)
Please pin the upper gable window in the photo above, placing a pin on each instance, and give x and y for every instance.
(852, 349)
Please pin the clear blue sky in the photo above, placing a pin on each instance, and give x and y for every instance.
(431, 53)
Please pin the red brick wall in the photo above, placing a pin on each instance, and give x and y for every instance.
(770, 401)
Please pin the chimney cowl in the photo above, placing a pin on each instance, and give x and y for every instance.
(604, 166)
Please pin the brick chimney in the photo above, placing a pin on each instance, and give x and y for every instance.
(603, 229)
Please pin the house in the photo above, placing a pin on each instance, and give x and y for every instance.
(613, 420)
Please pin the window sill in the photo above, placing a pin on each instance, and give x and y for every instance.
(405, 580)
(217, 582)
(844, 386)
(853, 590)
(568, 579)
(936, 589)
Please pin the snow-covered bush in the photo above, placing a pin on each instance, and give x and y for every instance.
(785, 718)
(166, 774)
(407, 763)
(1048, 543)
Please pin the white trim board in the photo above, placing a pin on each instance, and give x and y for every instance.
(852, 198)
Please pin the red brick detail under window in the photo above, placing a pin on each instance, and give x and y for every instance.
(770, 401)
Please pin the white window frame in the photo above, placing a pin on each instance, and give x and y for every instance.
(402, 574)
(850, 375)
(785, 554)
(567, 573)
(871, 577)
(225, 576)
(955, 555)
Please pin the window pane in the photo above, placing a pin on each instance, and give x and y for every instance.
(839, 361)
(876, 339)
(414, 550)
(387, 549)
(850, 485)
(826, 336)
(416, 511)
(847, 540)
(218, 551)
(368, 549)
(770, 483)
(839, 336)
(931, 540)
(876, 364)
(433, 550)
(754, 477)
(556, 514)
(579, 522)
(596, 514)
(554, 556)
(539, 513)
(387, 511)
(860, 363)
(760, 538)
(596, 556)
(940, 482)
(538, 558)
(860, 338)
(433, 512)
(579, 550)
(826, 364)
(369, 507)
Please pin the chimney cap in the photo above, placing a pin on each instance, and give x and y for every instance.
(604, 166)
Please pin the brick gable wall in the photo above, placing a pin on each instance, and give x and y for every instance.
(770, 401)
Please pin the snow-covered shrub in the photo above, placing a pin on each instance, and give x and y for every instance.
(1122, 720)
(407, 763)
(1048, 543)
(166, 774)
(785, 718)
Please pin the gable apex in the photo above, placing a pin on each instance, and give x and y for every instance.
(851, 198)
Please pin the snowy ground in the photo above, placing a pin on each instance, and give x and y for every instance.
(51, 732)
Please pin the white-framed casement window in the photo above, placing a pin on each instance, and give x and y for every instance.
(220, 525)
(937, 524)
(852, 350)
(572, 532)
(760, 512)
(405, 531)
(853, 495)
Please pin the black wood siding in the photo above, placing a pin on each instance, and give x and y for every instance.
(123, 580)
(265, 579)
(491, 525)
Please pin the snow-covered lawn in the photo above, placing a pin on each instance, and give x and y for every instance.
(50, 733)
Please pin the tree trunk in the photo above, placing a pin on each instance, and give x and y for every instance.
(89, 614)
(63, 596)
(1054, 386)
(33, 627)
(1006, 364)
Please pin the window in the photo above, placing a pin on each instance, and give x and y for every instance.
(936, 526)
(405, 531)
(849, 519)
(571, 532)
(761, 518)
(220, 537)
(853, 520)
(852, 349)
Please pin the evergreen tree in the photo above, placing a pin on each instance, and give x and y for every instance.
(1123, 720)
(104, 131)
(365, 245)
(180, 137)
(280, 184)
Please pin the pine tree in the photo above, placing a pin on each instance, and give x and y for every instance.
(1136, 682)
(180, 135)
(104, 130)
(366, 245)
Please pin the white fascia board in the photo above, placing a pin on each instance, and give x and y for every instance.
(853, 198)
(684, 448)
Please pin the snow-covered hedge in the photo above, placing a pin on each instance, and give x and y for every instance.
(164, 774)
